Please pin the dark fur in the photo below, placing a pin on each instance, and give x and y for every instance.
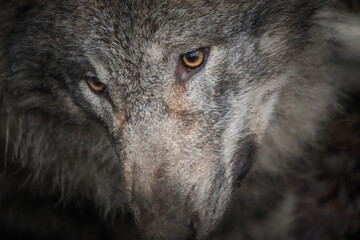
(146, 148)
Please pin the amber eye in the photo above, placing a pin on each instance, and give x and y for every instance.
(96, 85)
(194, 59)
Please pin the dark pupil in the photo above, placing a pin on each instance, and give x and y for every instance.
(98, 84)
(192, 56)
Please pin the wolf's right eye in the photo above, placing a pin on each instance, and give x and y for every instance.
(194, 59)
(190, 63)
(96, 85)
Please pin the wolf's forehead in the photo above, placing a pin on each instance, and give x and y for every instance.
(174, 22)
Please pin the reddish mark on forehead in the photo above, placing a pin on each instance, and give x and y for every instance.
(177, 100)
(120, 118)
(183, 88)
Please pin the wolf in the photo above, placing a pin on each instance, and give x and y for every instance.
(191, 116)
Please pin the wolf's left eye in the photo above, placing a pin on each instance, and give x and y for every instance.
(96, 85)
(194, 59)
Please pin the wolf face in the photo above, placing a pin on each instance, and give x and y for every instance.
(188, 94)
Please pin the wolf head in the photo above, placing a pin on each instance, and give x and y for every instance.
(186, 92)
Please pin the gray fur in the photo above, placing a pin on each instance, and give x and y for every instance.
(182, 157)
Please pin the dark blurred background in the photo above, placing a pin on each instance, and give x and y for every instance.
(353, 4)
(330, 208)
(331, 203)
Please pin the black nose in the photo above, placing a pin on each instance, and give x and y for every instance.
(181, 234)
(171, 232)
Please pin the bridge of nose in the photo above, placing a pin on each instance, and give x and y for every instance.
(159, 179)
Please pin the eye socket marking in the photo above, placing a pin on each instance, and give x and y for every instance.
(194, 59)
(96, 85)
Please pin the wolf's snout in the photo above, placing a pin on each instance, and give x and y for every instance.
(162, 216)
(170, 176)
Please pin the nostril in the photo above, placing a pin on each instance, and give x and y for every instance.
(186, 234)
(190, 238)
(193, 231)
(192, 225)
